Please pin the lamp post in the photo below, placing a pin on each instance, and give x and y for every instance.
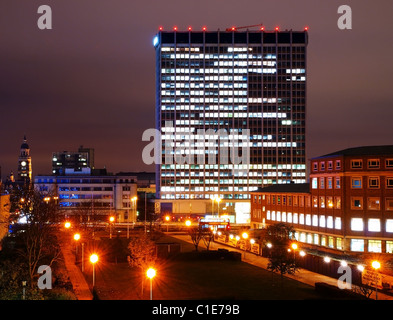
(294, 247)
(111, 219)
(77, 236)
(93, 260)
(376, 265)
(151, 273)
(218, 199)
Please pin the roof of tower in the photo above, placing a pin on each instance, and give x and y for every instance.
(24, 144)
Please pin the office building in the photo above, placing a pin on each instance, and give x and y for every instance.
(83, 158)
(24, 164)
(217, 93)
(347, 207)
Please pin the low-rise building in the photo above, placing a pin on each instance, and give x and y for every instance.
(96, 191)
(347, 206)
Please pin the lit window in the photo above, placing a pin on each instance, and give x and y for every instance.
(357, 245)
(339, 243)
(322, 183)
(329, 202)
(337, 223)
(338, 202)
(374, 225)
(357, 224)
(329, 222)
(374, 246)
(315, 201)
(322, 221)
(301, 218)
(316, 238)
(308, 219)
(389, 225)
(314, 183)
(330, 183)
(315, 220)
(338, 183)
(389, 246)
(356, 182)
(322, 202)
(289, 217)
(295, 218)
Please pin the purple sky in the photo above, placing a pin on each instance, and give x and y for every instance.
(91, 79)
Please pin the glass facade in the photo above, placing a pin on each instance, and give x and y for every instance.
(215, 88)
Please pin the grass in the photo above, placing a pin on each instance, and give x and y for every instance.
(189, 277)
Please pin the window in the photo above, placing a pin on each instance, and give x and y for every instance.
(356, 164)
(331, 242)
(284, 217)
(356, 203)
(329, 202)
(374, 225)
(301, 201)
(322, 221)
(357, 245)
(295, 200)
(330, 165)
(373, 203)
(322, 202)
(374, 246)
(289, 217)
(314, 183)
(329, 222)
(323, 240)
(338, 202)
(337, 223)
(373, 182)
(389, 204)
(322, 183)
(315, 201)
(356, 182)
(373, 163)
(301, 218)
(389, 225)
(330, 183)
(322, 166)
(273, 215)
(316, 238)
(339, 243)
(308, 219)
(357, 224)
(338, 183)
(389, 163)
(268, 214)
(295, 218)
(278, 216)
(315, 166)
(315, 220)
(338, 164)
(389, 182)
(389, 246)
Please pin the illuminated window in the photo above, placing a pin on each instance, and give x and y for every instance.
(316, 238)
(337, 223)
(339, 243)
(329, 222)
(374, 246)
(389, 204)
(337, 202)
(389, 225)
(301, 218)
(315, 220)
(331, 242)
(322, 183)
(314, 183)
(357, 224)
(315, 201)
(374, 225)
(322, 202)
(373, 203)
(338, 183)
(329, 202)
(295, 218)
(357, 245)
(389, 246)
(330, 183)
(308, 219)
(322, 221)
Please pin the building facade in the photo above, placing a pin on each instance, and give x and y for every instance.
(348, 205)
(25, 170)
(98, 195)
(218, 91)
(83, 158)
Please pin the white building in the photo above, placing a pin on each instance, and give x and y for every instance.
(97, 192)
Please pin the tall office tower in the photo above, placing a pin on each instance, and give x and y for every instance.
(241, 82)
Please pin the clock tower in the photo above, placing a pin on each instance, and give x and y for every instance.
(24, 163)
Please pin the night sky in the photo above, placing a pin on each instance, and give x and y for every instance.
(91, 79)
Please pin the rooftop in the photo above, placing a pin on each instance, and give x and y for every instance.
(286, 187)
(362, 151)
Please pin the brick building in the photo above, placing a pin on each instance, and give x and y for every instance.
(347, 206)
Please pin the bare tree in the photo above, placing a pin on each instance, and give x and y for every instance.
(207, 237)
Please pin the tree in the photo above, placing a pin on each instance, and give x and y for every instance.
(38, 240)
(281, 259)
(196, 235)
(207, 237)
(142, 251)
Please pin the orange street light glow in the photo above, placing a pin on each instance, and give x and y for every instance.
(93, 258)
(67, 225)
(77, 236)
(151, 273)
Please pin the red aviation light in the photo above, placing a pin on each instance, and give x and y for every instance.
(233, 28)
(262, 28)
(204, 28)
(174, 28)
(276, 28)
(189, 28)
(306, 28)
(160, 28)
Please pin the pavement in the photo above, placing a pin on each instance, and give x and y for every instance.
(81, 287)
(303, 275)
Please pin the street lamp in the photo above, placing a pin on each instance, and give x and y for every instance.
(111, 220)
(77, 236)
(151, 273)
(376, 265)
(188, 223)
(93, 260)
(67, 225)
(294, 247)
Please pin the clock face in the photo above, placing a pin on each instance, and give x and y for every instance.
(23, 163)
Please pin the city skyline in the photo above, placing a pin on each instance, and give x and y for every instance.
(90, 80)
